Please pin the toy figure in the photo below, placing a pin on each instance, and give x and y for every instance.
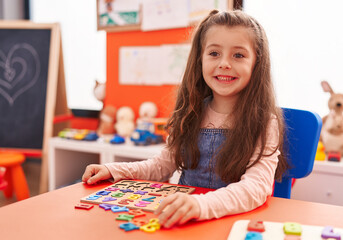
(125, 121)
(332, 130)
(147, 111)
(106, 120)
(99, 91)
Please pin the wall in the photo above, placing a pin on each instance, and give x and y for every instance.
(305, 39)
(128, 95)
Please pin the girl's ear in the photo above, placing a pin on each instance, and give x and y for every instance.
(326, 87)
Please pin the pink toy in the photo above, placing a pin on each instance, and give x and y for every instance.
(332, 130)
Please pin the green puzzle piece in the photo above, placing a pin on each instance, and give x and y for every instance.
(125, 217)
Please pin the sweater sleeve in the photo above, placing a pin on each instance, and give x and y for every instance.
(158, 168)
(253, 188)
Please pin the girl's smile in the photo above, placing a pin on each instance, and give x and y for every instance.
(225, 79)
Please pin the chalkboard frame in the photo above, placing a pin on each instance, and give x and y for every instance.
(55, 88)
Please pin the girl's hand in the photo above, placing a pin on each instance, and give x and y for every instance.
(177, 209)
(95, 173)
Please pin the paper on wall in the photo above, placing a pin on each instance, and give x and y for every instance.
(164, 14)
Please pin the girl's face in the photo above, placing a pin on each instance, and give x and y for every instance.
(228, 59)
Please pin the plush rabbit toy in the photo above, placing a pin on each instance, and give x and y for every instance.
(332, 130)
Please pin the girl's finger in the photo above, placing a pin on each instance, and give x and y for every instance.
(188, 216)
(170, 210)
(164, 204)
(176, 217)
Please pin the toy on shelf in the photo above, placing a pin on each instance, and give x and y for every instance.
(117, 139)
(145, 134)
(149, 128)
(125, 122)
(332, 130)
(106, 120)
(147, 111)
(320, 154)
(334, 156)
(78, 134)
(99, 91)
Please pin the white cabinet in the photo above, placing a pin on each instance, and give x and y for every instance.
(69, 158)
(323, 185)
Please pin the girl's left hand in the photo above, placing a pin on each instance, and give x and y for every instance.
(177, 209)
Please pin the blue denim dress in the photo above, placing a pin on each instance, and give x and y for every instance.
(204, 175)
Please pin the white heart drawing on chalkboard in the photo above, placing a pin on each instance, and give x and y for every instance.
(11, 78)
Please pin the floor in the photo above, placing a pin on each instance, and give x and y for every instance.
(32, 168)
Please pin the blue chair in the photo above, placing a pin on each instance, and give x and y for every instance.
(302, 131)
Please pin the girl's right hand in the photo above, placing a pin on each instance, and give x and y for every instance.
(95, 173)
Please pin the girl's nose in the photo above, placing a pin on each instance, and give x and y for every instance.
(224, 64)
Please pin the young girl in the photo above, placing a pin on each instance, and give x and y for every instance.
(226, 130)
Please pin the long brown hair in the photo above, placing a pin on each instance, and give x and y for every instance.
(252, 113)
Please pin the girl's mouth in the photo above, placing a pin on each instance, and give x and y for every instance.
(225, 78)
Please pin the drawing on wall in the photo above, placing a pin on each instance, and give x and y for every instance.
(199, 9)
(19, 71)
(153, 65)
(175, 60)
(164, 14)
(118, 12)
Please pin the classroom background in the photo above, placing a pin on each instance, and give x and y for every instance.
(304, 36)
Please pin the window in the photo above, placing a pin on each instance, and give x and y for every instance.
(84, 48)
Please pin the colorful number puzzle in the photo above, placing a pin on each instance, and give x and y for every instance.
(135, 194)
(244, 230)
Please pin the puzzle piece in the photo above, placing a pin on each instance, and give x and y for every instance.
(106, 206)
(291, 228)
(292, 237)
(150, 199)
(152, 226)
(136, 212)
(94, 197)
(125, 217)
(118, 195)
(109, 199)
(128, 226)
(328, 233)
(103, 193)
(83, 206)
(117, 209)
(256, 226)
(253, 236)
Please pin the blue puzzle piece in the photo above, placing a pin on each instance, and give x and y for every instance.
(116, 209)
(253, 236)
(126, 190)
(103, 193)
(150, 199)
(94, 197)
(128, 226)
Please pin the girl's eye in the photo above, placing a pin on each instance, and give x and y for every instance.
(214, 54)
(238, 55)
